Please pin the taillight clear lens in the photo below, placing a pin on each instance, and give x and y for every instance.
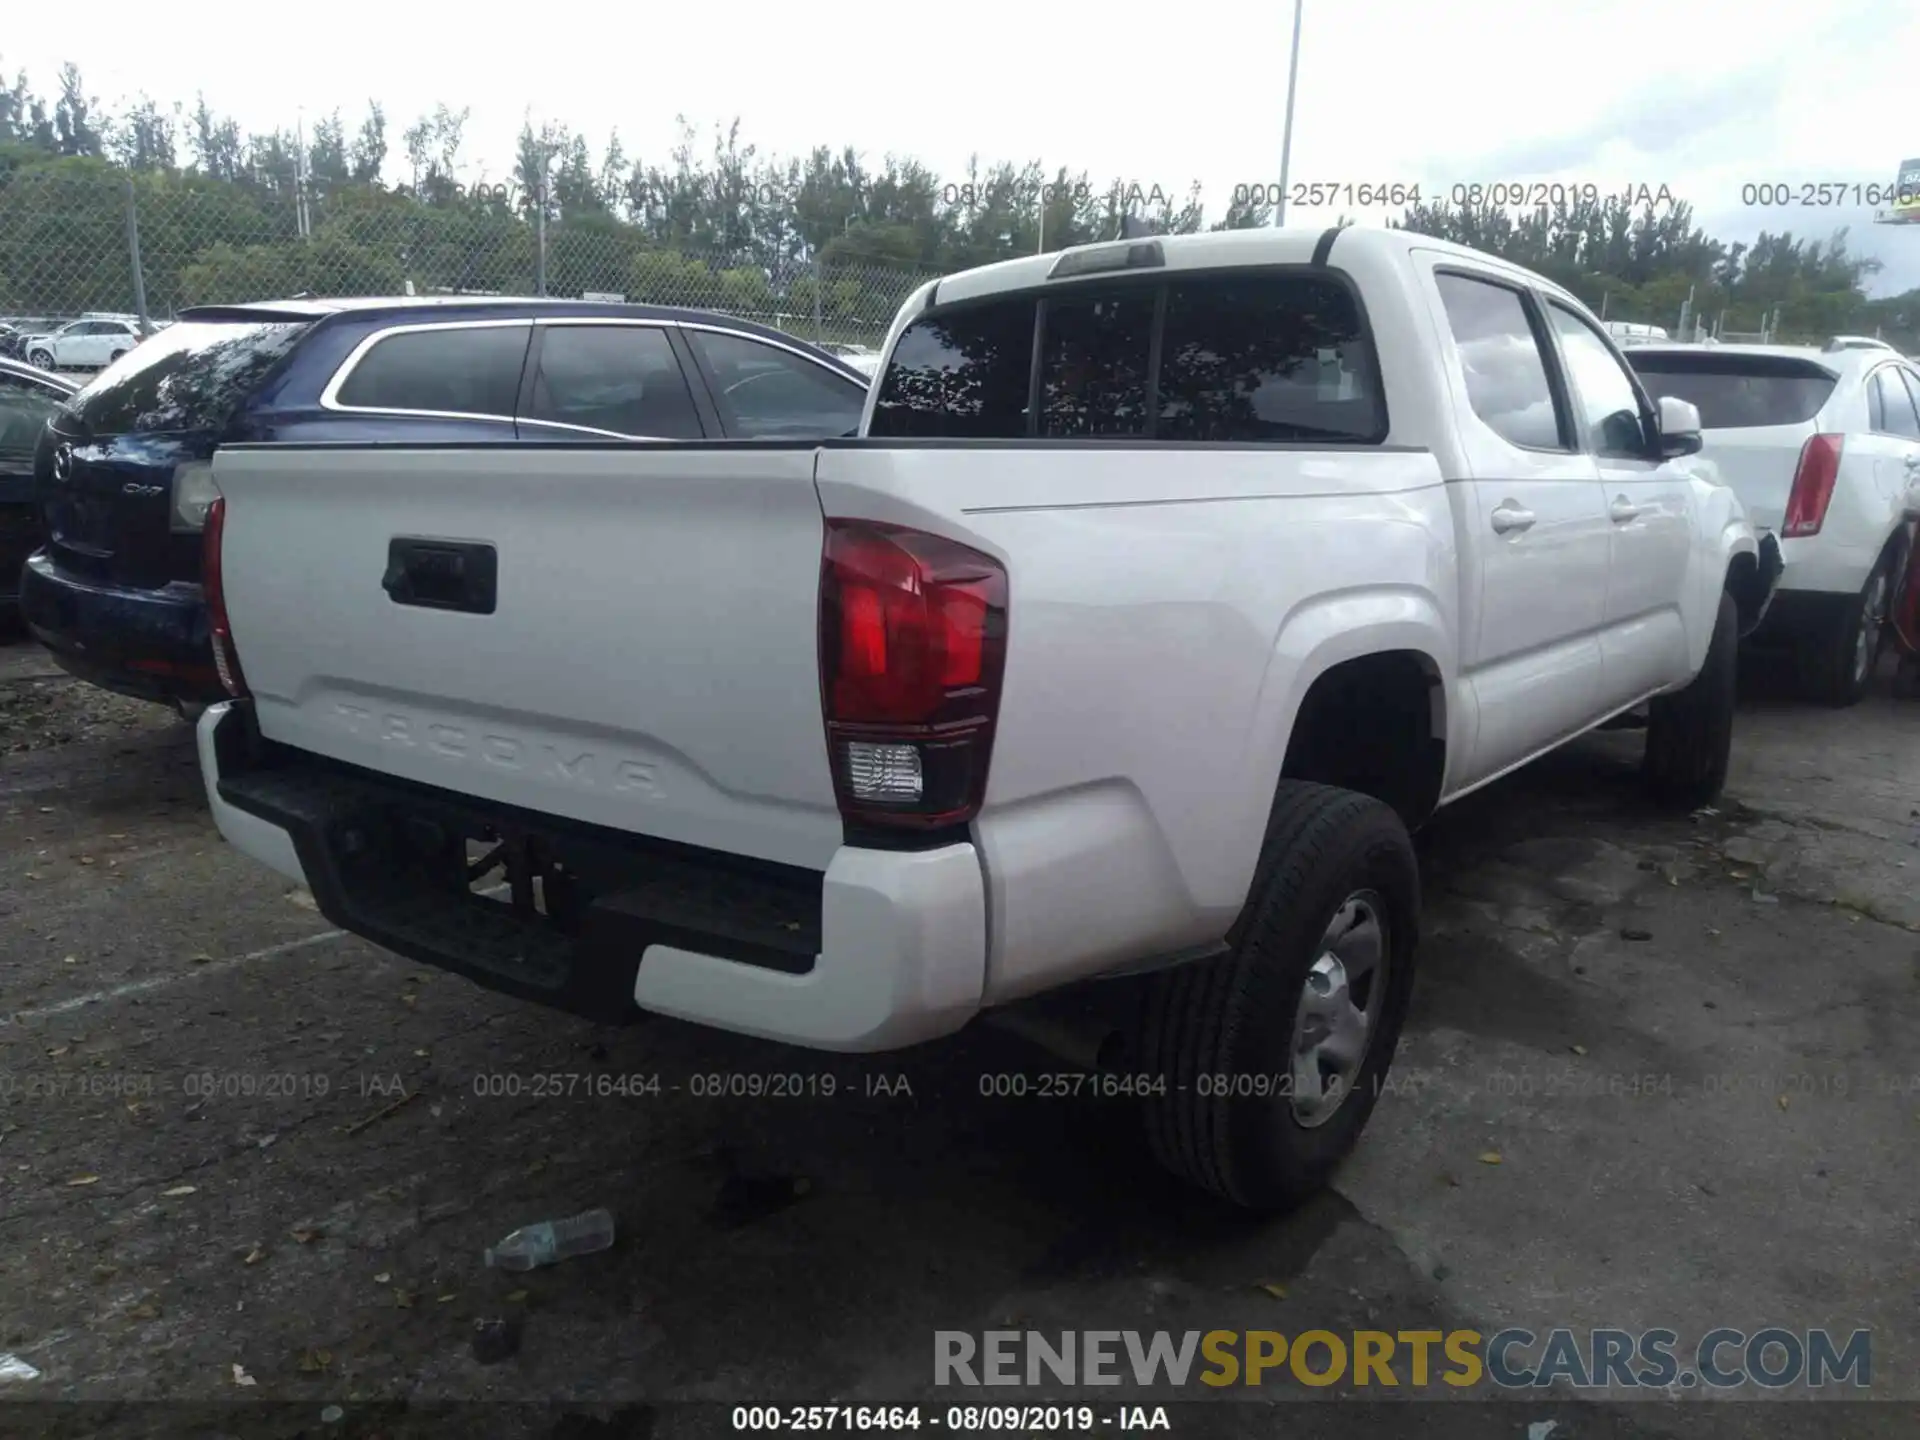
(912, 646)
(1813, 482)
(193, 495)
(226, 660)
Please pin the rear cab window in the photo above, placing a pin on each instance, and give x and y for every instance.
(191, 375)
(1273, 356)
(1736, 392)
(453, 369)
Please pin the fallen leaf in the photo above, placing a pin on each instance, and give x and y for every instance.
(202, 959)
(304, 899)
(421, 1053)
(517, 1297)
(1782, 1102)
(382, 1278)
(1279, 1292)
(1578, 1049)
(241, 1377)
(443, 1299)
(117, 835)
(56, 1050)
(255, 1255)
(71, 960)
(408, 998)
(1489, 1157)
(84, 1180)
(86, 859)
(179, 1190)
(306, 1235)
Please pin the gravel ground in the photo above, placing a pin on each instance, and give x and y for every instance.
(1661, 1073)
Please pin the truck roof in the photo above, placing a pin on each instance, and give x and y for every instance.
(1218, 249)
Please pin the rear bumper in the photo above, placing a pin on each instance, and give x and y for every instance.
(150, 644)
(883, 950)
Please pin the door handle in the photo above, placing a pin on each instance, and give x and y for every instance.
(1622, 510)
(442, 575)
(1510, 517)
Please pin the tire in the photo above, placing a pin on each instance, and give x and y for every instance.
(1837, 663)
(114, 356)
(1218, 1033)
(1690, 733)
(40, 359)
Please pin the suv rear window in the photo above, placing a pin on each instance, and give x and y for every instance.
(192, 375)
(1737, 392)
(1275, 357)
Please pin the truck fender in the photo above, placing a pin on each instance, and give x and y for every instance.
(1328, 630)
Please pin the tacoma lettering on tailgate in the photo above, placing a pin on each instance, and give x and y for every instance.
(571, 764)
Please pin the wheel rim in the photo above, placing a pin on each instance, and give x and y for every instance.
(1340, 1007)
(1872, 616)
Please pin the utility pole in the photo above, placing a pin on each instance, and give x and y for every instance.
(1286, 135)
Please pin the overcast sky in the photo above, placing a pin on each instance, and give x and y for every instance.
(1697, 95)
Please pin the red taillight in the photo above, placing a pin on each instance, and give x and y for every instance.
(1812, 485)
(226, 660)
(913, 634)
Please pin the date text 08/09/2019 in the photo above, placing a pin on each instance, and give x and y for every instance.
(961, 1419)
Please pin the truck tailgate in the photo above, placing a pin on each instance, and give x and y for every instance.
(644, 658)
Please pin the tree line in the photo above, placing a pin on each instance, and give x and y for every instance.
(227, 214)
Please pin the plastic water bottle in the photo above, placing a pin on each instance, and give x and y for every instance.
(552, 1241)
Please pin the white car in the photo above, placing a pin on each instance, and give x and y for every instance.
(90, 344)
(1168, 583)
(1823, 445)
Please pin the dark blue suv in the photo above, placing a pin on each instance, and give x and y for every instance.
(125, 468)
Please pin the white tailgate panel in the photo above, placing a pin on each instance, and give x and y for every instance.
(650, 665)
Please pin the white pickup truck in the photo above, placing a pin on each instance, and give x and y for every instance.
(1168, 583)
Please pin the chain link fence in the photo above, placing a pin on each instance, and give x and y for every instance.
(81, 240)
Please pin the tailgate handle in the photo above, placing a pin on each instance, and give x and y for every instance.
(442, 575)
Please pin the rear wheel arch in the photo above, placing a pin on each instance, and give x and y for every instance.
(1375, 724)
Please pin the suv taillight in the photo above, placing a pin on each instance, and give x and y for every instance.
(913, 637)
(226, 660)
(1812, 485)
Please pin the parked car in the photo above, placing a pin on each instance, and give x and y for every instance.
(861, 357)
(1822, 445)
(115, 595)
(89, 344)
(28, 399)
(1146, 661)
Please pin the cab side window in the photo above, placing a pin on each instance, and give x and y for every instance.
(1605, 396)
(1504, 364)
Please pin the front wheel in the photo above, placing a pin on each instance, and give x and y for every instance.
(1690, 733)
(1268, 1060)
(40, 359)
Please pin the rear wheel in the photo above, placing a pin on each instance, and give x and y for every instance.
(1836, 662)
(41, 359)
(1690, 733)
(1272, 1056)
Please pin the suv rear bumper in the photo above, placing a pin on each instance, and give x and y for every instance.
(883, 950)
(150, 644)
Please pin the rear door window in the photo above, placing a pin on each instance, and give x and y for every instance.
(764, 392)
(193, 375)
(1736, 392)
(1267, 357)
(452, 370)
(624, 379)
(1503, 362)
(1895, 409)
(960, 375)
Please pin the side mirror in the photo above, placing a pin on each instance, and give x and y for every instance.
(1679, 428)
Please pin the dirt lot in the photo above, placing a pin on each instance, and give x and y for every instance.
(1662, 1073)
